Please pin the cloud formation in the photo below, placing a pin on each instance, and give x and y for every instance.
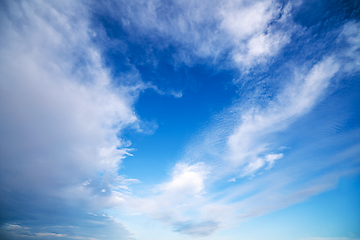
(65, 107)
(252, 31)
(60, 115)
(242, 144)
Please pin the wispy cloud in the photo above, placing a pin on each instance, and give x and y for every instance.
(97, 229)
(299, 97)
(243, 142)
(251, 31)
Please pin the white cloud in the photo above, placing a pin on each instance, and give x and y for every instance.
(172, 201)
(253, 31)
(352, 38)
(44, 104)
(60, 112)
(245, 147)
(260, 162)
(243, 20)
(186, 180)
(254, 39)
(247, 141)
(242, 148)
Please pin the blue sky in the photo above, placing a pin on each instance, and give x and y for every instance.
(218, 120)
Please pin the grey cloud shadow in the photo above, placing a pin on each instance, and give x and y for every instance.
(201, 229)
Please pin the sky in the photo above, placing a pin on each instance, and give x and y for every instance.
(179, 120)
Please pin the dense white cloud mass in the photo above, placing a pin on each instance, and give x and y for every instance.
(60, 113)
(64, 110)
